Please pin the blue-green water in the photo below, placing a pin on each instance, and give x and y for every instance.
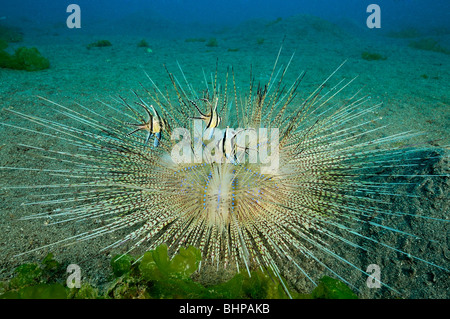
(409, 76)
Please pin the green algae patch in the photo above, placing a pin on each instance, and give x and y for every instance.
(371, 56)
(99, 44)
(330, 288)
(121, 264)
(212, 42)
(156, 264)
(158, 276)
(26, 275)
(143, 44)
(29, 59)
(35, 281)
(40, 291)
(44, 280)
(86, 291)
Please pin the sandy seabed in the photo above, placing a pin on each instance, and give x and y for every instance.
(78, 75)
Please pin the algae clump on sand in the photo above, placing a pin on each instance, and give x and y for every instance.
(29, 59)
(370, 56)
(156, 275)
(99, 44)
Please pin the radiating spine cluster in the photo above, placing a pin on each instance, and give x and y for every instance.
(230, 210)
